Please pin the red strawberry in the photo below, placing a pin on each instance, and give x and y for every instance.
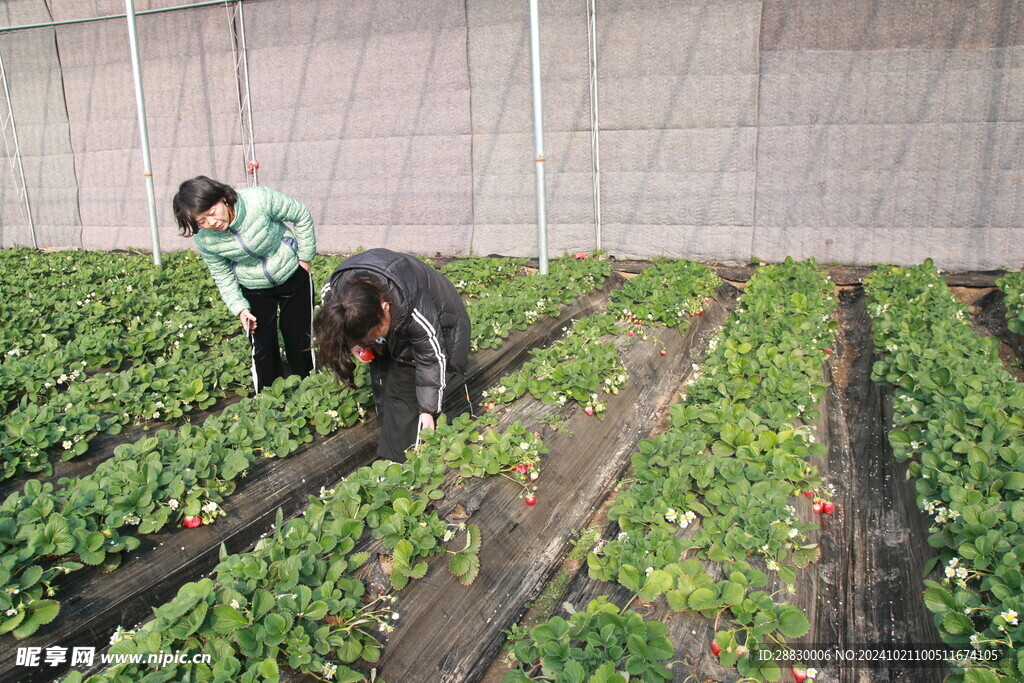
(531, 500)
(828, 351)
(663, 353)
(191, 522)
(588, 410)
(809, 493)
(700, 312)
(521, 468)
(489, 407)
(828, 508)
(715, 648)
(799, 675)
(580, 255)
(817, 507)
(366, 355)
(631, 333)
(740, 650)
(252, 166)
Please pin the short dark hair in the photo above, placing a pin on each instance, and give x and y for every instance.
(196, 196)
(344, 321)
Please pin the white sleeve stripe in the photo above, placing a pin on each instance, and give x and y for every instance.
(436, 345)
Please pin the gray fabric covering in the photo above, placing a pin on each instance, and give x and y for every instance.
(855, 132)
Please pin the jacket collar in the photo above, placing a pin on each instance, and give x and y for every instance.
(239, 210)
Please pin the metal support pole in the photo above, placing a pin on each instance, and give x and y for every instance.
(538, 139)
(248, 96)
(238, 52)
(595, 128)
(16, 156)
(140, 102)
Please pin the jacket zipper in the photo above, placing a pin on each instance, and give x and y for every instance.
(250, 252)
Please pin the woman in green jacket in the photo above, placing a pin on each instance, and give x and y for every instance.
(261, 267)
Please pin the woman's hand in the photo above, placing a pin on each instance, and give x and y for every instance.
(426, 422)
(305, 265)
(248, 320)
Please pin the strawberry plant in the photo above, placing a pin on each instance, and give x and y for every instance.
(957, 421)
(475, 276)
(516, 304)
(666, 293)
(602, 643)
(577, 367)
(1012, 285)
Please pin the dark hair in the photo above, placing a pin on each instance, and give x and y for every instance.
(196, 196)
(345, 320)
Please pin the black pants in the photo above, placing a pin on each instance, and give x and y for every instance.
(290, 307)
(394, 392)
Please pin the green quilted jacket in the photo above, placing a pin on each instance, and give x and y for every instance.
(257, 250)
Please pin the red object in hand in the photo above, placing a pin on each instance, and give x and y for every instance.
(366, 355)
(252, 167)
(191, 522)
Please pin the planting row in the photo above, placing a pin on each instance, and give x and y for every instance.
(958, 420)
(717, 486)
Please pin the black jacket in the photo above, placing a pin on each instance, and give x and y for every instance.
(429, 324)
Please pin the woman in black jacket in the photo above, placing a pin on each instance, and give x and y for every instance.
(408, 322)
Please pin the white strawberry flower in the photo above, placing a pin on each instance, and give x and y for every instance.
(671, 515)
(67, 445)
(812, 673)
(234, 604)
(173, 503)
(975, 641)
(11, 612)
(648, 571)
(1010, 616)
(773, 565)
